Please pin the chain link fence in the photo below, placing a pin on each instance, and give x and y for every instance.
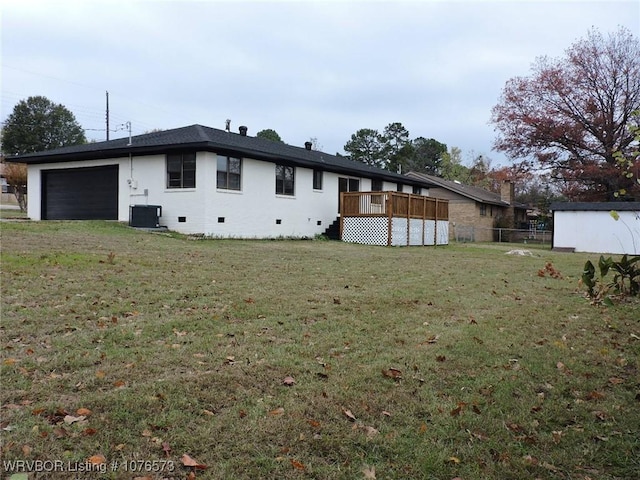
(470, 233)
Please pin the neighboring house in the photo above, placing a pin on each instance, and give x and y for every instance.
(474, 212)
(206, 181)
(591, 227)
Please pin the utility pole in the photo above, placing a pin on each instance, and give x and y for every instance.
(107, 116)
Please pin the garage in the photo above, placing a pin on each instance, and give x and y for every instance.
(80, 193)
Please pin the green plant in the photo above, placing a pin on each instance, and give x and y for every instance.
(626, 279)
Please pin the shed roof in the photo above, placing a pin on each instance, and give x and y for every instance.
(595, 206)
(202, 138)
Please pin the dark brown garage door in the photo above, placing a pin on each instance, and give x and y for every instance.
(80, 193)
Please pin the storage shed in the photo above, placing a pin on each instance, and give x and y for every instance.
(594, 227)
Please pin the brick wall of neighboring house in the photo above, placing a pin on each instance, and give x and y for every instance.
(465, 217)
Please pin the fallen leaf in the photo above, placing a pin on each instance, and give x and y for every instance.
(69, 419)
(392, 373)
(456, 411)
(83, 412)
(289, 381)
(166, 449)
(119, 384)
(297, 465)
(455, 460)
(26, 450)
(369, 472)
(370, 431)
(277, 411)
(87, 432)
(616, 380)
(314, 423)
(595, 395)
(100, 374)
(96, 459)
(349, 415)
(187, 461)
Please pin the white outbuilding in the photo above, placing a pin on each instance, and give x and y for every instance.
(605, 227)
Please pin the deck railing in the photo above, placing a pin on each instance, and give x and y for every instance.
(393, 204)
(393, 218)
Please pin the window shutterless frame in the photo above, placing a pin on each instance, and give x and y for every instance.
(181, 170)
(229, 173)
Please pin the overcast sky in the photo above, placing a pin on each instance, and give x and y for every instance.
(303, 68)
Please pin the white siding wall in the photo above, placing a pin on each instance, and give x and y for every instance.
(249, 213)
(597, 232)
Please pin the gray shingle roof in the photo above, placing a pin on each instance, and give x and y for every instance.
(475, 193)
(201, 138)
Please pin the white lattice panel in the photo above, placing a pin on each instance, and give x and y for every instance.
(429, 232)
(415, 231)
(398, 231)
(366, 230)
(443, 232)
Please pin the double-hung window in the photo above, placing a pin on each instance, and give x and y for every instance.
(229, 173)
(284, 180)
(181, 170)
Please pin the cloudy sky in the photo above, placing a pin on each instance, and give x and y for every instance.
(321, 69)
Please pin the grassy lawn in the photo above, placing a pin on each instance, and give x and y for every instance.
(10, 213)
(404, 363)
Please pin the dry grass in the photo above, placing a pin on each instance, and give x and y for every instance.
(411, 362)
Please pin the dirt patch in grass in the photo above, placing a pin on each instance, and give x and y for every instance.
(410, 362)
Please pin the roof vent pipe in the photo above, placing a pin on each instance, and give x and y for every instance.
(308, 145)
(243, 130)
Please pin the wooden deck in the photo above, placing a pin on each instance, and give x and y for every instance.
(393, 218)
